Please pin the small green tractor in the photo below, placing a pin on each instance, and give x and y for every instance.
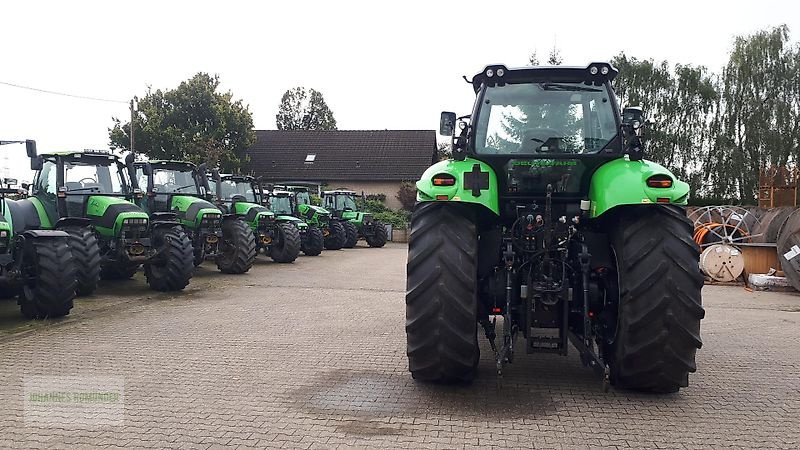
(182, 188)
(35, 264)
(342, 203)
(335, 232)
(88, 196)
(278, 237)
(549, 217)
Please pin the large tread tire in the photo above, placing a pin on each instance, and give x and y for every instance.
(173, 267)
(198, 254)
(660, 307)
(351, 234)
(286, 248)
(314, 242)
(51, 291)
(118, 271)
(379, 238)
(442, 294)
(337, 236)
(86, 253)
(238, 249)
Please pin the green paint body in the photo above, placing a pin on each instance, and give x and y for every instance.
(616, 183)
(426, 191)
(623, 182)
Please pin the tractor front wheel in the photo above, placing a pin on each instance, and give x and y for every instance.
(86, 253)
(379, 235)
(660, 305)
(286, 246)
(351, 234)
(172, 267)
(52, 279)
(336, 237)
(442, 294)
(238, 247)
(314, 242)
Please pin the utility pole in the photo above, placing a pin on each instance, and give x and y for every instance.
(132, 116)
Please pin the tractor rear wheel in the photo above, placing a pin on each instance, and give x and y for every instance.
(52, 272)
(336, 237)
(379, 237)
(118, 271)
(286, 247)
(314, 242)
(351, 234)
(172, 268)
(442, 294)
(86, 253)
(237, 251)
(660, 305)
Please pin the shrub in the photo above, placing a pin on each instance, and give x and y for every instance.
(407, 194)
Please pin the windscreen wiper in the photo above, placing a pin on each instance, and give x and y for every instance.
(567, 87)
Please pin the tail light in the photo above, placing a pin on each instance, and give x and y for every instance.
(443, 179)
(659, 181)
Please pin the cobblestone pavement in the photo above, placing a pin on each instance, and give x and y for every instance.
(312, 355)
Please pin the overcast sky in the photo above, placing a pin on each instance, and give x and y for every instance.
(379, 65)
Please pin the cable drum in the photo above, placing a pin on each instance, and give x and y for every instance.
(722, 262)
(722, 225)
(771, 223)
(789, 249)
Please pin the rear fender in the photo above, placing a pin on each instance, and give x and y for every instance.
(44, 234)
(623, 182)
(475, 182)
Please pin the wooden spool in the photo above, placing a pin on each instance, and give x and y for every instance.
(722, 262)
(789, 249)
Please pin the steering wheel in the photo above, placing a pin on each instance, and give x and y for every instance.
(537, 135)
(91, 180)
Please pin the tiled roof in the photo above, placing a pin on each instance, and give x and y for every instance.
(370, 155)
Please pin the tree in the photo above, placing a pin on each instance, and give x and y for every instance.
(407, 194)
(304, 109)
(682, 99)
(757, 125)
(192, 122)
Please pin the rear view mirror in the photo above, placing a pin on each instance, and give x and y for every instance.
(36, 162)
(30, 148)
(633, 117)
(129, 159)
(447, 123)
(147, 169)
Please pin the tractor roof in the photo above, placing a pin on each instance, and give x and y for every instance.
(166, 163)
(280, 193)
(497, 74)
(228, 176)
(105, 154)
(340, 191)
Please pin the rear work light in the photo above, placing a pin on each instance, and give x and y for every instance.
(659, 181)
(443, 179)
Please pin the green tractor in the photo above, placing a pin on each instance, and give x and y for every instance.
(280, 203)
(342, 203)
(333, 231)
(35, 264)
(278, 237)
(182, 188)
(548, 216)
(87, 195)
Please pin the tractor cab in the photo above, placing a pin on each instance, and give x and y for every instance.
(281, 202)
(170, 182)
(82, 184)
(339, 201)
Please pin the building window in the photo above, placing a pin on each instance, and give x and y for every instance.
(310, 158)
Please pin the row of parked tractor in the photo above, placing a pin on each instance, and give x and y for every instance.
(93, 215)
